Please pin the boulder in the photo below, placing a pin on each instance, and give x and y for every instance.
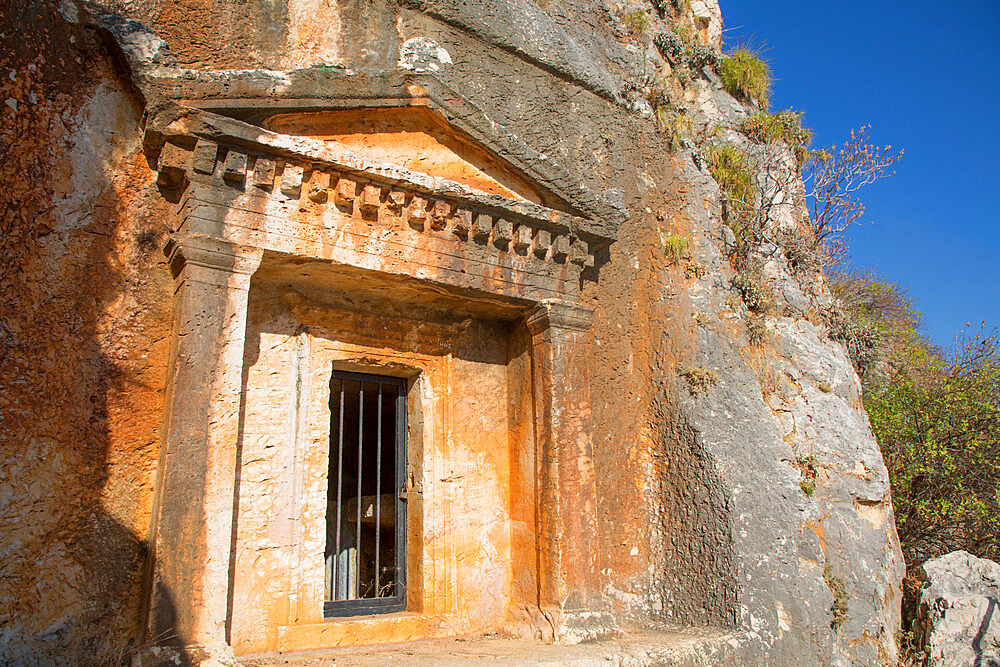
(958, 618)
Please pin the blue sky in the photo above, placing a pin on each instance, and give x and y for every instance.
(926, 76)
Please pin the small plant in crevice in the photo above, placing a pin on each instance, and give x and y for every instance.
(685, 53)
(699, 380)
(733, 303)
(746, 76)
(806, 466)
(756, 290)
(637, 23)
(677, 128)
(805, 257)
(681, 6)
(862, 336)
(746, 213)
(840, 602)
(674, 8)
(701, 55)
(824, 387)
(757, 330)
(675, 245)
(763, 362)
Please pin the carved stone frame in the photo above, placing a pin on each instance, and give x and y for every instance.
(241, 191)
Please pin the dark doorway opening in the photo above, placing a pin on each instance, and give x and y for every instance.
(366, 497)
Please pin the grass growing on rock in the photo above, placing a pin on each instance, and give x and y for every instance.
(747, 77)
(757, 291)
(728, 165)
(637, 23)
(839, 590)
(677, 127)
(783, 126)
(675, 245)
(699, 380)
(807, 467)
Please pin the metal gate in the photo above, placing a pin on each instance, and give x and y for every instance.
(366, 501)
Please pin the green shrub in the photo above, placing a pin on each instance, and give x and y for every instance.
(783, 126)
(936, 417)
(747, 77)
(937, 421)
(728, 166)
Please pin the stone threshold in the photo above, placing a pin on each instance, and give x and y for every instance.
(634, 648)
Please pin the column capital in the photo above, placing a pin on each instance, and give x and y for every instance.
(552, 314)
(209, 252)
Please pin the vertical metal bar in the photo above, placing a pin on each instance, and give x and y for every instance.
(357, 538)
(340, 478)
(378, 488)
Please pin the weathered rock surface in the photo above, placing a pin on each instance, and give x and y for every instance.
(958, 620)
(703, 518)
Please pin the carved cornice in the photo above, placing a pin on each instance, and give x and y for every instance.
(233, 156)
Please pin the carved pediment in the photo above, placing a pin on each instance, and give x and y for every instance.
(416, 140)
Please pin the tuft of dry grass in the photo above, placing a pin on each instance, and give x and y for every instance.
(700, 380)
(675, 245)
(763, 361)
(840, 601)
(746, 76)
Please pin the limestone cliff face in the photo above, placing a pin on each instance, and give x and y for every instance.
(703, 521)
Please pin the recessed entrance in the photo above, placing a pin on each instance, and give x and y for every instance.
(366, 500)
(456, 431)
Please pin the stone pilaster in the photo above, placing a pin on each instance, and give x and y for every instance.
(193, 515)
(569, 566)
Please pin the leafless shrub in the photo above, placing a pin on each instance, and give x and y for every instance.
(833, 179)
(763, 362)
(827, 184)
